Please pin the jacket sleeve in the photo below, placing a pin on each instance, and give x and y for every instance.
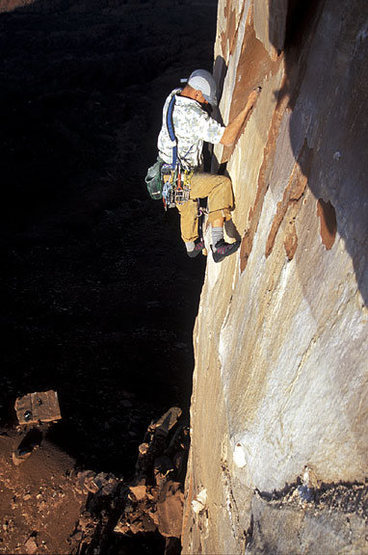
(209, 130)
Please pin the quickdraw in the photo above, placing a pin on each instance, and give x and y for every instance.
(176, 188)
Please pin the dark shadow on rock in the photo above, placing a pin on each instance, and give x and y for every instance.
(331, 107)
(232, 231)
(219, 73)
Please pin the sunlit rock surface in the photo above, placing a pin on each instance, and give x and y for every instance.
(279, 407)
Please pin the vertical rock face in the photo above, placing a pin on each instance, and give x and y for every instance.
(279, 407)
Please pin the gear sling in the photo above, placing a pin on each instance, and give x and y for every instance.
(176, 179)
(176, 188)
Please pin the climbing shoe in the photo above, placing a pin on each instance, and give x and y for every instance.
(198, 246)
(223, 249)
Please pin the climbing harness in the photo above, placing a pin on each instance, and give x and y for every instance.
(176, 185)
(176, 179)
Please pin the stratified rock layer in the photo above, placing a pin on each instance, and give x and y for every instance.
(280, 384)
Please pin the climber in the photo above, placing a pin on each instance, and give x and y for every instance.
(192, 126)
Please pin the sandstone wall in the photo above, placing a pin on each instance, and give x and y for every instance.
(9, 5)
(279, 407)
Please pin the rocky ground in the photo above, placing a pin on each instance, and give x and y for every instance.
(99, 298)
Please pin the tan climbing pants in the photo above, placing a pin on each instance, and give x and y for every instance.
(219, 191)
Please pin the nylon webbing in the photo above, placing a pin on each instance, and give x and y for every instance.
(170, 128)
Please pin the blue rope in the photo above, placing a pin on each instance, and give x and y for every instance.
(170, 128)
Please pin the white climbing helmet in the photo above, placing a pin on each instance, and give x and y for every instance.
(202, 80)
